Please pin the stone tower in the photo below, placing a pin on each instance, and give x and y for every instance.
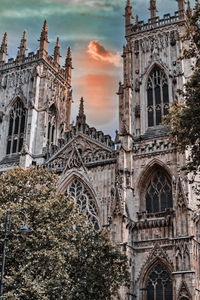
(35, 103)
(161, 208)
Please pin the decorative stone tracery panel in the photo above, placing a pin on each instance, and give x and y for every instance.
(85, 201)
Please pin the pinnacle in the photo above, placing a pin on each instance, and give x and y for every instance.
(69, 53)
(57, 50)
(44, 33)
(4, 44)
(4, 41)
(58, 42)
(68, 61)
(81, 107)
(128, 3)
(45, 26)
(23, 41)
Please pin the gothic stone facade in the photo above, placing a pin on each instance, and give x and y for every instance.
(134, 185)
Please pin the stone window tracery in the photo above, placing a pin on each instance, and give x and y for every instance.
(159, 284)
(158, 193)
(84, 199)
(157, 97)
(16, 130)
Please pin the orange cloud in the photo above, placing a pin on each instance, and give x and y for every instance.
(99, 52)
(97, 82)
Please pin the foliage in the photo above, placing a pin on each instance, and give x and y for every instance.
(184, 117)
(62, 258)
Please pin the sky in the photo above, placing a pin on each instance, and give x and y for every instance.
(95, 31)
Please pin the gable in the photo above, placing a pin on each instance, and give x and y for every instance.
(81, 151)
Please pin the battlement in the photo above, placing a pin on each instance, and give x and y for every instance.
(154, 23)
(31, 58)
(41, 54)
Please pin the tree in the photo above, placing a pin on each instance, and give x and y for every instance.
(184, 117)
(64, 257)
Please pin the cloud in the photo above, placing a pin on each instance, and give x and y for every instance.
(97, 81)
(99, 52)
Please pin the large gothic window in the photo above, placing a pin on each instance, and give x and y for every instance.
(158, 193)
(159, 284)
(84, 199)
(16, 130)
(157, 97)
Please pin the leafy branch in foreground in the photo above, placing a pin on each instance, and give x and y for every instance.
(63, 258)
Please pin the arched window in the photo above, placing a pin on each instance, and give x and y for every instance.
(159, 192)
(16, 130)
(159, 284)
(85, 201)
(157, 97)
(51, 133)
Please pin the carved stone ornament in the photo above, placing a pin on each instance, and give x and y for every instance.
(25, 149)
(184, 292)
(156, 253)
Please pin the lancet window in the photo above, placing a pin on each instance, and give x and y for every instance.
(159, 284)
(85, 201)
(51, 134)
(158, 193)
(157, 97)
(16, 130)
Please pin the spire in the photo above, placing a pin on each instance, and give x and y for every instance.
(57, 51)
(189, 10)
(81, 118)
(81, 107)
(3, 49)
(68, 66)
(153, 9)
(44, 38)
(181, 8)
(68, 61)
(22, 48)
(128, 13)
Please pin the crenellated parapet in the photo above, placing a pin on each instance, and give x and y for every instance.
(40, 56)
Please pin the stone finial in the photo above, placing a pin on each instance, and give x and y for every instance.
(81, 118)
(69, 57)
(44, 37)
(128, 13)
(153, 8)
(189, 10)
(22, 48)
(3, 49)
(181, 8)
(57, 51)
(81, 107)
(68, 66)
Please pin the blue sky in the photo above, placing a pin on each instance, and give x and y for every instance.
(78, 23)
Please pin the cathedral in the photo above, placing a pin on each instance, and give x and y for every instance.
(134, 185)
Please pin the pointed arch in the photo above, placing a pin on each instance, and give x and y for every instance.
(19, 97)
(156, 269)
(157, 86)
(158, 65)
(17, 126)
(84, 196)
(52, 124)
(184, 293)
(155, 188)
(158, 282)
